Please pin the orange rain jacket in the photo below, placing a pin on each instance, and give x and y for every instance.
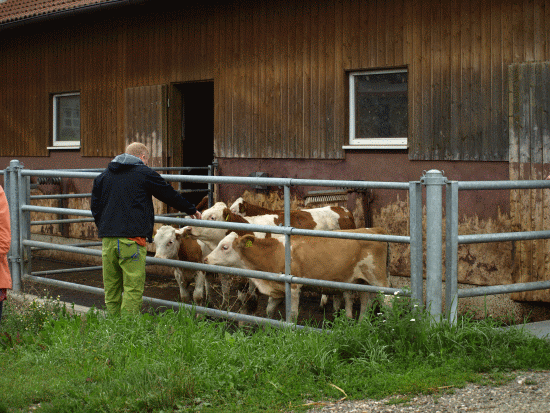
(5, 241)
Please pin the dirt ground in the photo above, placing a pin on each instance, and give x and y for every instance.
(161, 287)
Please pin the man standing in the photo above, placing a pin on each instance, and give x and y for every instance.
(122, 207)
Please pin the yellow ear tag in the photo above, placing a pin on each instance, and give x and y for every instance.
(227, 217)
(248, 244)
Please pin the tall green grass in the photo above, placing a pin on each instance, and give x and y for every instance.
(54, 361)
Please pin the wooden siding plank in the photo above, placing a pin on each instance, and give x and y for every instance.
(332, 142)
(475, 135)
(497, 77)
(524, 167)
(426, 84)
(539, 30)
(537, 97)
(340, 114)
(415, 80)
(435, 27)
(293, 107)
(445, 78)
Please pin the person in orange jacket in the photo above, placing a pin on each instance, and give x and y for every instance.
(5, 243)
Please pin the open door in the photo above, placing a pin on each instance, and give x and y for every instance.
(529, 159)
(192, 129)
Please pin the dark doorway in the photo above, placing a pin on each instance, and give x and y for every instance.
(192, 127)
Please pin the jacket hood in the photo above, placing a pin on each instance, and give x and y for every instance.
(124, 162)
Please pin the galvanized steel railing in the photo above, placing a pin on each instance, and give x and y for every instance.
(17, 183)
(17, 186)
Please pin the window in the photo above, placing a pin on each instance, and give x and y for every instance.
(378, 109)
(66, 120)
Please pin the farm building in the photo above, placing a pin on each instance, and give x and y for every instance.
(327, 89)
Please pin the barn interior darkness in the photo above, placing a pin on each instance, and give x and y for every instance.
(195, 127)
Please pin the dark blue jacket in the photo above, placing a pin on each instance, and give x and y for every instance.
(122, 204)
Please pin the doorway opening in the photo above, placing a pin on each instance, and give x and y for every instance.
(192, 129)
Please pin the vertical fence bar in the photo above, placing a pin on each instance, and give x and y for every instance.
(434, 181)
(25, 222)
(13, 199)
(288, 289)
(415, 211)
(210, 187)
(451, 251)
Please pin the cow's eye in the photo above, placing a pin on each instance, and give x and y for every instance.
(225, 247)
(212, 218)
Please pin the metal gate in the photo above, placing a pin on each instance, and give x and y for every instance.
(17, 184)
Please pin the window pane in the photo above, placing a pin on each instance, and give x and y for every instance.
(381, 105)
(68, 119)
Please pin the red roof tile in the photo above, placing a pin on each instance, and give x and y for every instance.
(14, 10)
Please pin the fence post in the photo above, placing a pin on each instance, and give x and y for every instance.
(24, 183)
(13, 172)
(434, 181)
(415, 208)
(451, 251)
(288, 286)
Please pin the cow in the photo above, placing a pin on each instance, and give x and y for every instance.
(174, 245)
(330, 259)
(211, 237)
(346, 221)
(326, 218)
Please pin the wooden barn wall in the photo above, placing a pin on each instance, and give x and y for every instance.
(279, 71)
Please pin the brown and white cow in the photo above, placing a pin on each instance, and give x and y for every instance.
(330, 259)
(247, 295)
(326, 218)
(174, 245)
(346, 221)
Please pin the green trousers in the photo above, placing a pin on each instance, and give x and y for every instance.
(123, 275)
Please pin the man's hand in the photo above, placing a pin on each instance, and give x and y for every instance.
(197, 215)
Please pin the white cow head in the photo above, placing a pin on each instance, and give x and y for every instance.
(225, 254)
(166, 242)
(236, 206)
(210, 236)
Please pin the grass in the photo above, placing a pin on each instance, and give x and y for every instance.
(54, 361)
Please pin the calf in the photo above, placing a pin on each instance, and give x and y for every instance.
(174, 245)
(330, 259)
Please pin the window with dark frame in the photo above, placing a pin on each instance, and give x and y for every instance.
(66, 120)
(379, 108)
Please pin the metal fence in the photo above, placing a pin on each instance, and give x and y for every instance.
(17, 184)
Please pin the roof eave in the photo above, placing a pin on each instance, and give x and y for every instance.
(77, 11)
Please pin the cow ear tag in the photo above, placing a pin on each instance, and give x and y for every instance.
(227, 217)
(248, 243)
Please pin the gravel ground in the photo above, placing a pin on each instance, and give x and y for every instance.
(528, 392)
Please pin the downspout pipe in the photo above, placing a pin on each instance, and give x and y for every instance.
(77, 11)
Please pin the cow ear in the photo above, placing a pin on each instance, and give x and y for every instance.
(225, 214)
(247, 241)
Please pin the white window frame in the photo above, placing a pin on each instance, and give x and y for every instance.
(370, 143)
(62, 144)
